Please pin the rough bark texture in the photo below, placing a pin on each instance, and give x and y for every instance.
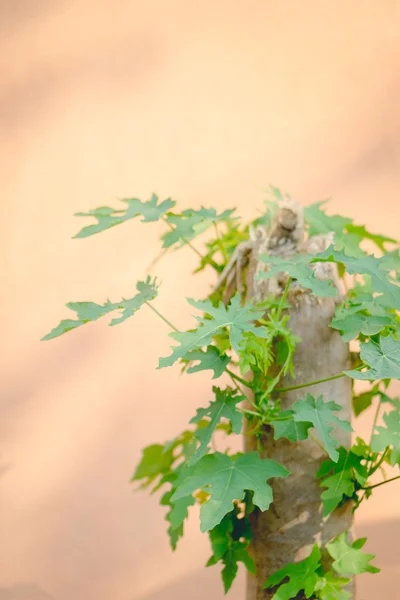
(287, 531)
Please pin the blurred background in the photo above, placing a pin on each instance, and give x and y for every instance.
(207, 102)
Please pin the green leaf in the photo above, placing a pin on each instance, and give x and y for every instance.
(238, 318)
(388, 436)
(344, 475)
(190, 223)
(366, 265)
(349, 559)
(302, 575)
(210, 359)
(90, 311)
(177, 515)
(383, 358)
(156, 461)
(320, 414)
(379, 240)
(223, 407)
(298, 268)
(330, 587)
(288, 428)
(229, 479)
(227, 547)
(108, 217)
(319, 222)
(364, 400)
(352, 324)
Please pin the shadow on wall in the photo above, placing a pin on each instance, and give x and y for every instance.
(24, 591)
(203, 582)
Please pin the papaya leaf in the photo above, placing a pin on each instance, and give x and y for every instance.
(209, 359)
(298, 268)
(229, 478)
(90, 311)
(341, 479)
(352, 324)
(388, 436)
(190, 223)
(303, 576)
(239, 319)
(382, 358)
(223, 407)
(349, 559)
(108, 217)
(320, 414)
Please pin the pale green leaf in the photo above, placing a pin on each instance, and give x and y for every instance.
(108, 217)
(349, 559)
(209, 359)
(382, 358)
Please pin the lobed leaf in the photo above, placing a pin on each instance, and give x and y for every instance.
(90, 311)
(108, 217)
(349, 559)
(229, 478)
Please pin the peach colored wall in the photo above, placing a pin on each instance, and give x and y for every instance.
(208, 102)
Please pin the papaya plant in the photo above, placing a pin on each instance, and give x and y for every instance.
(304, 306)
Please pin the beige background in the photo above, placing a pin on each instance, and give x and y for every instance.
(208, 102)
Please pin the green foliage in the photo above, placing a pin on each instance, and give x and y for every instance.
(90, 311)
(382, 358)
(229, 478)
(302, 576)
(370, 265)
(320, 415)
(108, 217)
(257, 339)
(229, 541)
(209, 359)
(190, 223)
(349, 559)
(388, 436)
(342, 479)
(223, 407)
(239, 319)
(297, 267)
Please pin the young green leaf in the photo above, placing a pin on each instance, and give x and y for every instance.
(388, 436)
(330, 587)
(344, 477)
(190, 223)
(319, 222)
(223, 407)
(349, 559)
(209, 359)
(90, 311)
(303, 576)
(108, 217)
(320, 414)
(156, 461)
(229, 478)
(363, 234)
(239, 319)
(382, 358)
(298, 268)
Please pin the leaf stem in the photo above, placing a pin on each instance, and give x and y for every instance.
(220, 244)
(162, 316)
(378, 408)
(237, 378)
(317, 442)
(283, 299)
(378, 464)
(370, 487)
(309, 383)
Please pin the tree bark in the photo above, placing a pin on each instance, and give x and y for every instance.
(287, 531)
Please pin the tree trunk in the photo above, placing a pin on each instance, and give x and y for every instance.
(287, 531)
